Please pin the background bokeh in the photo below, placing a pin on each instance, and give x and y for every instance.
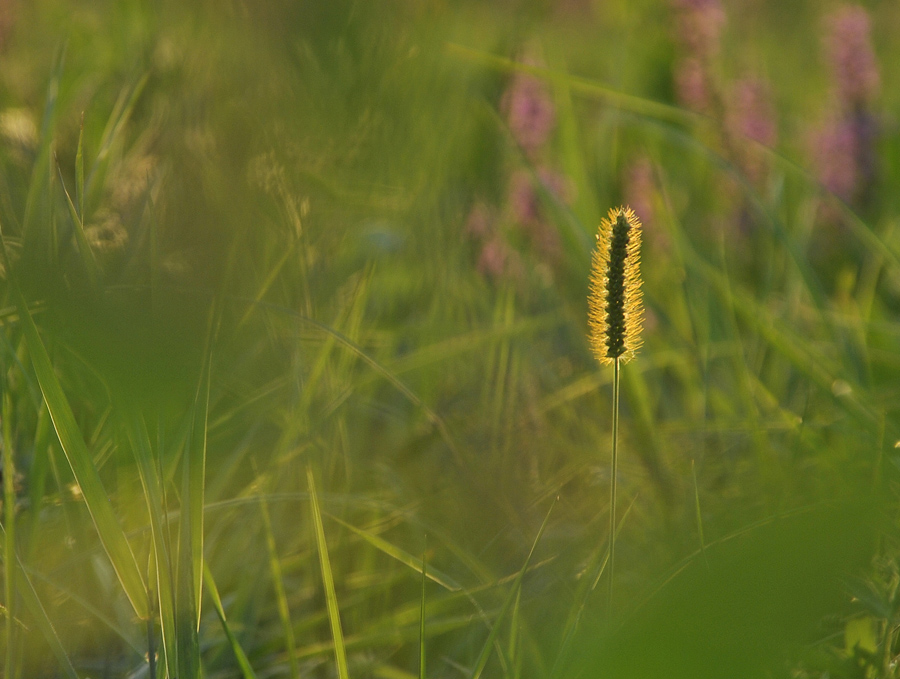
(365, 228)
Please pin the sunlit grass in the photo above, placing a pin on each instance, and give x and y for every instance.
(254, 353)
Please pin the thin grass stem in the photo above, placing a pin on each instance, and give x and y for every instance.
(699, 515)
(612, 483)
(9, 544)
(422, 617)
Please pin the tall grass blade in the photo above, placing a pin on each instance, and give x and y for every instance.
(334, 614)
(38, 612)
(195, 482)
(573, 147)
(284, 611)
(515, 658)
(587, 584)
(236, 648)
(110, 532)
(9, 533)
(613, 485)
(510, 598)
(422, 619)
(582, 86)
(40, 173)
(79, 171)
(153, 494)
(400, 555)
(347, 343)
(38, 477)
(699, 515)
(190, 550)
(119, 117)
(84, 248)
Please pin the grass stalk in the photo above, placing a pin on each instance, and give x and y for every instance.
(699, 515)
(9, 544)
(340, 653)
(510, 599)
(284, 611)
(239, 654)
(613, 470)
(422, 620)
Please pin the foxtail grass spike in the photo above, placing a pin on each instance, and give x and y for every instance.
(614, 321)
(615, 310)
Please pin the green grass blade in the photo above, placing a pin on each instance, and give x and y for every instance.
(84, 248)
(697, 511)
(284, 611)
(587, 584)
(340, 653)
(189, 569)
(573, 149)
(38, 477)
(119, 117)
(108, 528)
(150, 480)
(515, 657)
(239, 654)
(79, 171)
(347, 343)
(422, 621)
(403, 557)
(582, 86)
(40, 173)
(9, 534)
(33, 603)
(195, 483)
(124, 629)
(510, 598)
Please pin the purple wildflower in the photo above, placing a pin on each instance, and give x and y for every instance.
(844, 147)
(529, 112)
(494, 260)
(526, 208)
(835, 149)
(523, 199)
(750, 116)
(751, 113)
(699, 24)
(851, 57)
(692, 85)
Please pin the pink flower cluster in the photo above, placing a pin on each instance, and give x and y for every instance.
(843, 147)
(529, 111)
(699, 25)
(531, 117)
(746, 106)
(848, 44)
(750, 116)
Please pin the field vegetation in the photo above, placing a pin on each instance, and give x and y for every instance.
(296, 379)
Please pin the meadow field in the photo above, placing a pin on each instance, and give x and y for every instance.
(296, 378)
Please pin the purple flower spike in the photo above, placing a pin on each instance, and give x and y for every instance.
(700, 24)
(850, 54)
(836, 151)
(750, 112)
(529, 112)
(692, 86)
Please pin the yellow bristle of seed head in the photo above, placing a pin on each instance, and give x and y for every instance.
(615, 325)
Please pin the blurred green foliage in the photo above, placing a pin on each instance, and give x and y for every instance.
(364, 229)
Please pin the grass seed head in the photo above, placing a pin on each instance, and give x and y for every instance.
(615, 310)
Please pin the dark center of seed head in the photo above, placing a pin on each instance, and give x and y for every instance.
(615, 290)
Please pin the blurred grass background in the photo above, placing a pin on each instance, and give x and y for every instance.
(300, 287)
